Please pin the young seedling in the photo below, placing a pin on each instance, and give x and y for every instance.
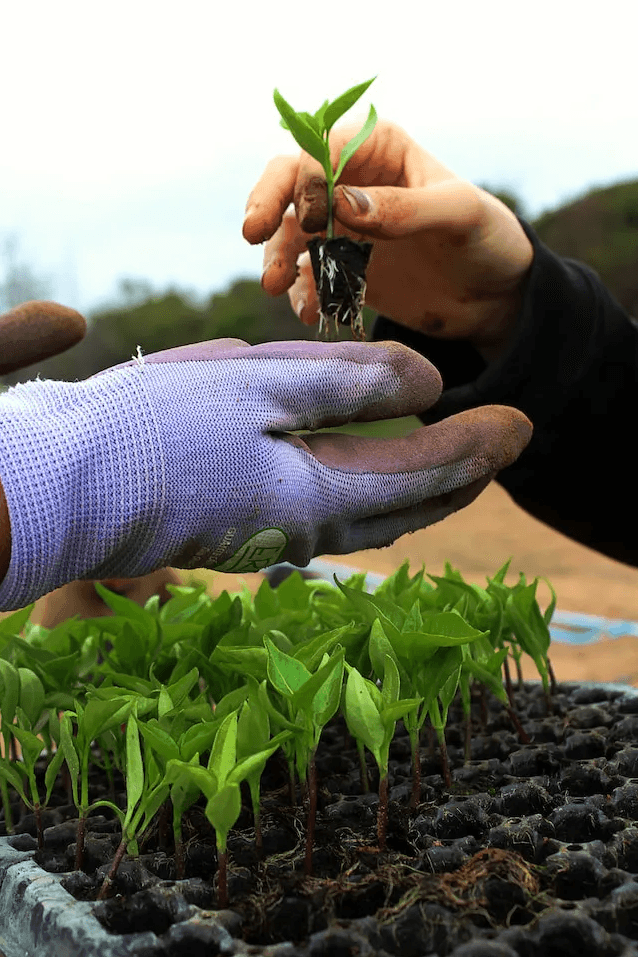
(25, 702)
(310, 701)
(425, 648)
(146, 791)
(96, 718)
(220, 783)
(338, 263)
(371, 715)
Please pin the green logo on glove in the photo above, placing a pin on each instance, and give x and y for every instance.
(262, 549)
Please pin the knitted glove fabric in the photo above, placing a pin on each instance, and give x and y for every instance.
(185, 458)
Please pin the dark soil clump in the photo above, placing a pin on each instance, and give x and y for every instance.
(339, 269)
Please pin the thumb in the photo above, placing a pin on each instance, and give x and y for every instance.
(403, 484)
(466, 446)
(389, 212)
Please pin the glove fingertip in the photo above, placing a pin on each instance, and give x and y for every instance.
(34, 331)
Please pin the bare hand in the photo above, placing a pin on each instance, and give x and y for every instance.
(448, 258)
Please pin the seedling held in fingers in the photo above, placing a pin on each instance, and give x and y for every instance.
(339, 263)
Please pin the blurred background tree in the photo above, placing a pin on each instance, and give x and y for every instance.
(18, 282)
(599, 228)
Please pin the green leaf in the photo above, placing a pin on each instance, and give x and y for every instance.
(447, 692)
(399, 709)
(362, 713)
(134, 777)
(183, 793)
(487, 677)
(9, 691)
(32, 746)
(164, 702)
(159, 740)
(253, 728)
(391, 685)
(13, 624)
(304, 134)
(254, 763)
(151, 805)
(319, 117)
(440, 667)
(310, 653)
(242, 661)
(223, 755)
(51, 773)
(499, 577)
(31, 695)
(551, 608)
(9, 771)
(222, 811)
(371, 607)
(414, 619)
(311, 120)
(67, 746)
(278, 638)
(379, 647)
(327, 699)
(280, 720)
(201, 778)
(198, 738)
(122, 682)
(180, 690)
(232, 701)
(353, 145)
(442, 629)
(126, 608)
(331, 112)
(304, 698)
(525, 620)
(100, 716)
(132, 643)
(285, 673)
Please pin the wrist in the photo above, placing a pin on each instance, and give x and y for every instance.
(80, 472)
(495, 333)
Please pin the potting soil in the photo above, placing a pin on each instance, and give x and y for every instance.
(533, 850)
(339, 269)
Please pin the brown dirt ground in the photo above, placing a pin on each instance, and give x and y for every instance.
(480, 538)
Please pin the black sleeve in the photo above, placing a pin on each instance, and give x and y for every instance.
(572, 368)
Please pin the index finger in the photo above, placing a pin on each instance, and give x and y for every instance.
(270, 198)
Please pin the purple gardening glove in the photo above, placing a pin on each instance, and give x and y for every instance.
(185, 458)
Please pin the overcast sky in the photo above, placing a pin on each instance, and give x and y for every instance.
(133, 131)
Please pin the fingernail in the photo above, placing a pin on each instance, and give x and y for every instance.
(299, 305)
(359, 201)
(265, 268)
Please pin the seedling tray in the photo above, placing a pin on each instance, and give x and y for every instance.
(521, 827)
(560, 808)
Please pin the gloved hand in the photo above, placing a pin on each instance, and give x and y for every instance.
(448, 258)
(185, 458)
(35, 331)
